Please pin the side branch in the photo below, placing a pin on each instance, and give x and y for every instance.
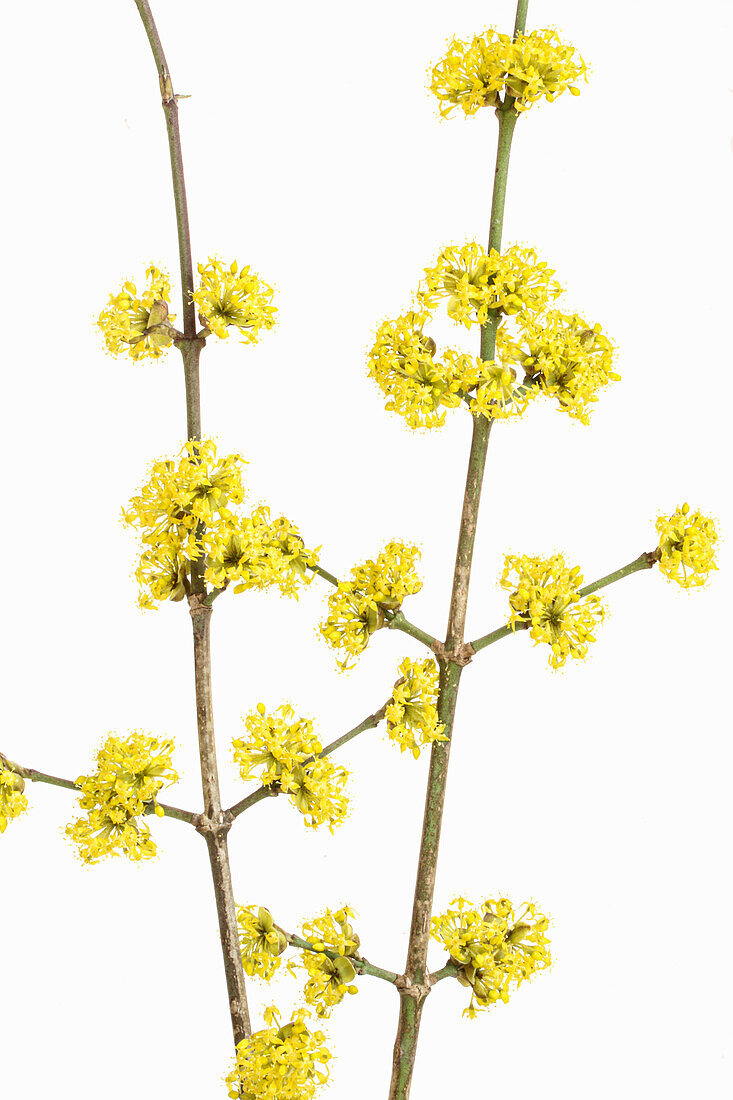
(371, 722)
(645, 561)
(35, 776)
(362, 966)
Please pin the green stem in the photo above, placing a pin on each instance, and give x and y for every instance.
(359, 964)
(399, 622)
(644, 561)
(415, 984)
(36, 776)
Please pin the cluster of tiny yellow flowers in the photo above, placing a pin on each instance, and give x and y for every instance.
(12, 800)
(418, 386)
(475, 281)
(687, 547)
(493, 948)
(329, 979)
(282, 750)
(497, 396)
(184, 515)
(285, 1062)
(261, 943)
(544, 593)
(234, 296)
(477, 73)
(130, 772)
(139, 326)
(562, 355)
(412, 714)
(360, 606)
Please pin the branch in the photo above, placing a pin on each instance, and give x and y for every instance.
(644, 561)
(448, 971)
(211, 824)
(68, 784)
(371, 722)
(361, 965)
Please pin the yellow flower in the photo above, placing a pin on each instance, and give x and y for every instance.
(475, 282)
(497, 396)
(687, 546)
(476, 74)
(402, 362)
(493, 948)
(412, 715)
(360, 606)
(329, 980)
(282, 749)
(280, 1063)
(130, 772)
(255, 552)
(185, 514)
(276, 744)
(12, 800)
(261, 943)
(544, 593)
(234, 296)
(139, 326)
(316, 790)
(564, 356)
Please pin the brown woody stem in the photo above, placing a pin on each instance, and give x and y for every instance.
(211, 824)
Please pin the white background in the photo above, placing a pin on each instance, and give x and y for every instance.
(314, 152)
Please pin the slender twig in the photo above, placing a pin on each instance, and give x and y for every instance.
(212, 823)
(448, 971)
(399, 622)
(644, 561)
(360, 964)
(325, 574)
(36, 776)
(415, 983)
(370, 722)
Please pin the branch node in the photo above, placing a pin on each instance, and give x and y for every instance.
(197, 604)
(209, 827)
(412, 989)
(460, 656)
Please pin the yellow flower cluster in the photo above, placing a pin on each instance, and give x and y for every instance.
(402, 362)
(261, 943)
(329, 980)
(687, 544)
(475, 74)
(544, 593)
(12, 800)
(494, 948)
(475, 282)
(357, 607)
(139, 326)
(497, 396)
(130, 773)
(280, 1063)
(184, 515)
(281, 749)
(412, 714)
(564, 356)
(234, 296)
